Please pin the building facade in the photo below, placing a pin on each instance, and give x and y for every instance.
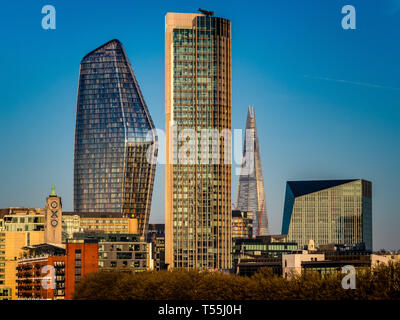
(242, 224)
(156, 236)
(49, 272)
(21, 227)
(328, 212)
(113, 170)
(129, 252)
(41, 273)
(267, 246)
(251, 193)
(96, 221)
(304, 261)
(21, 219)
(198, 177)
(81, 258)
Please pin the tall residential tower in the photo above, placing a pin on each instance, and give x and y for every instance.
(112, 172)
(197, 99)
(251, 194)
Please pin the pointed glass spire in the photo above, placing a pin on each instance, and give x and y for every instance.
(251, 194)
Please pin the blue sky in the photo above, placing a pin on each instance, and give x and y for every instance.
(326, 99)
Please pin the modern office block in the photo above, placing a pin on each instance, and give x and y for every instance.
(328, 212)
(197, 98)
(112, 171)
(251, 193)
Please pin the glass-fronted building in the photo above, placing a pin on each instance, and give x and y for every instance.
(197, 98)
(251, 193)
(328, 212)
(112, 171)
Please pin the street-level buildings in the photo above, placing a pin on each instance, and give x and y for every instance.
(19, 227)
(127, 252)
(50, 272)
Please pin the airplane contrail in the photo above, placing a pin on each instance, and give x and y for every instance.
(356, 83)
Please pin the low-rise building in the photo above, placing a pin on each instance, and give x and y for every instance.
(96, 221)
(18, 219)
(304, 261)
(41, 273)
(49, 272)
(121, 251)
(11, 244)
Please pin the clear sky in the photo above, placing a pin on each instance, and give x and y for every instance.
(326, 99)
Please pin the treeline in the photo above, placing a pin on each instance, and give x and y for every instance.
(383, 282)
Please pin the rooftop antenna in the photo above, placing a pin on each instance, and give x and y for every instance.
(207, 13)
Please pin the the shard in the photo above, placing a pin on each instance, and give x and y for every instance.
(251, 194)
(113, 170)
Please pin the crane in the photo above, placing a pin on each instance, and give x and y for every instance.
(207, 13)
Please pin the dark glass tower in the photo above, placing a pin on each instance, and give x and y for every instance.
(251, 194)
(113, 134)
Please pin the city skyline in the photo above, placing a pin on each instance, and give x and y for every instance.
(333, 117)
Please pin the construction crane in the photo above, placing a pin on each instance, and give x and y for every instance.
(207, 13)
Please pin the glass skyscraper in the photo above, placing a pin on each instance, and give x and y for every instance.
(251, 194)
(328, 212)
(113, 170)
(198, 204)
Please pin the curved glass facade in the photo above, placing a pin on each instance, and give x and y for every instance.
(111, 170)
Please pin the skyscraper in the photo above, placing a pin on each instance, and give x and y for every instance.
(197, 98)
(111, 169)
(251, 194)
(328, 212)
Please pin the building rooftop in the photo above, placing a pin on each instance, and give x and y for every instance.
(300, 188)
(93, 214)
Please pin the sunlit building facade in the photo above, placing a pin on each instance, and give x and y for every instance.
(328, 212)
(113, 170)
(19, 227)
(197, 97)
(96, 222)
(242, 224)
(251, 193)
